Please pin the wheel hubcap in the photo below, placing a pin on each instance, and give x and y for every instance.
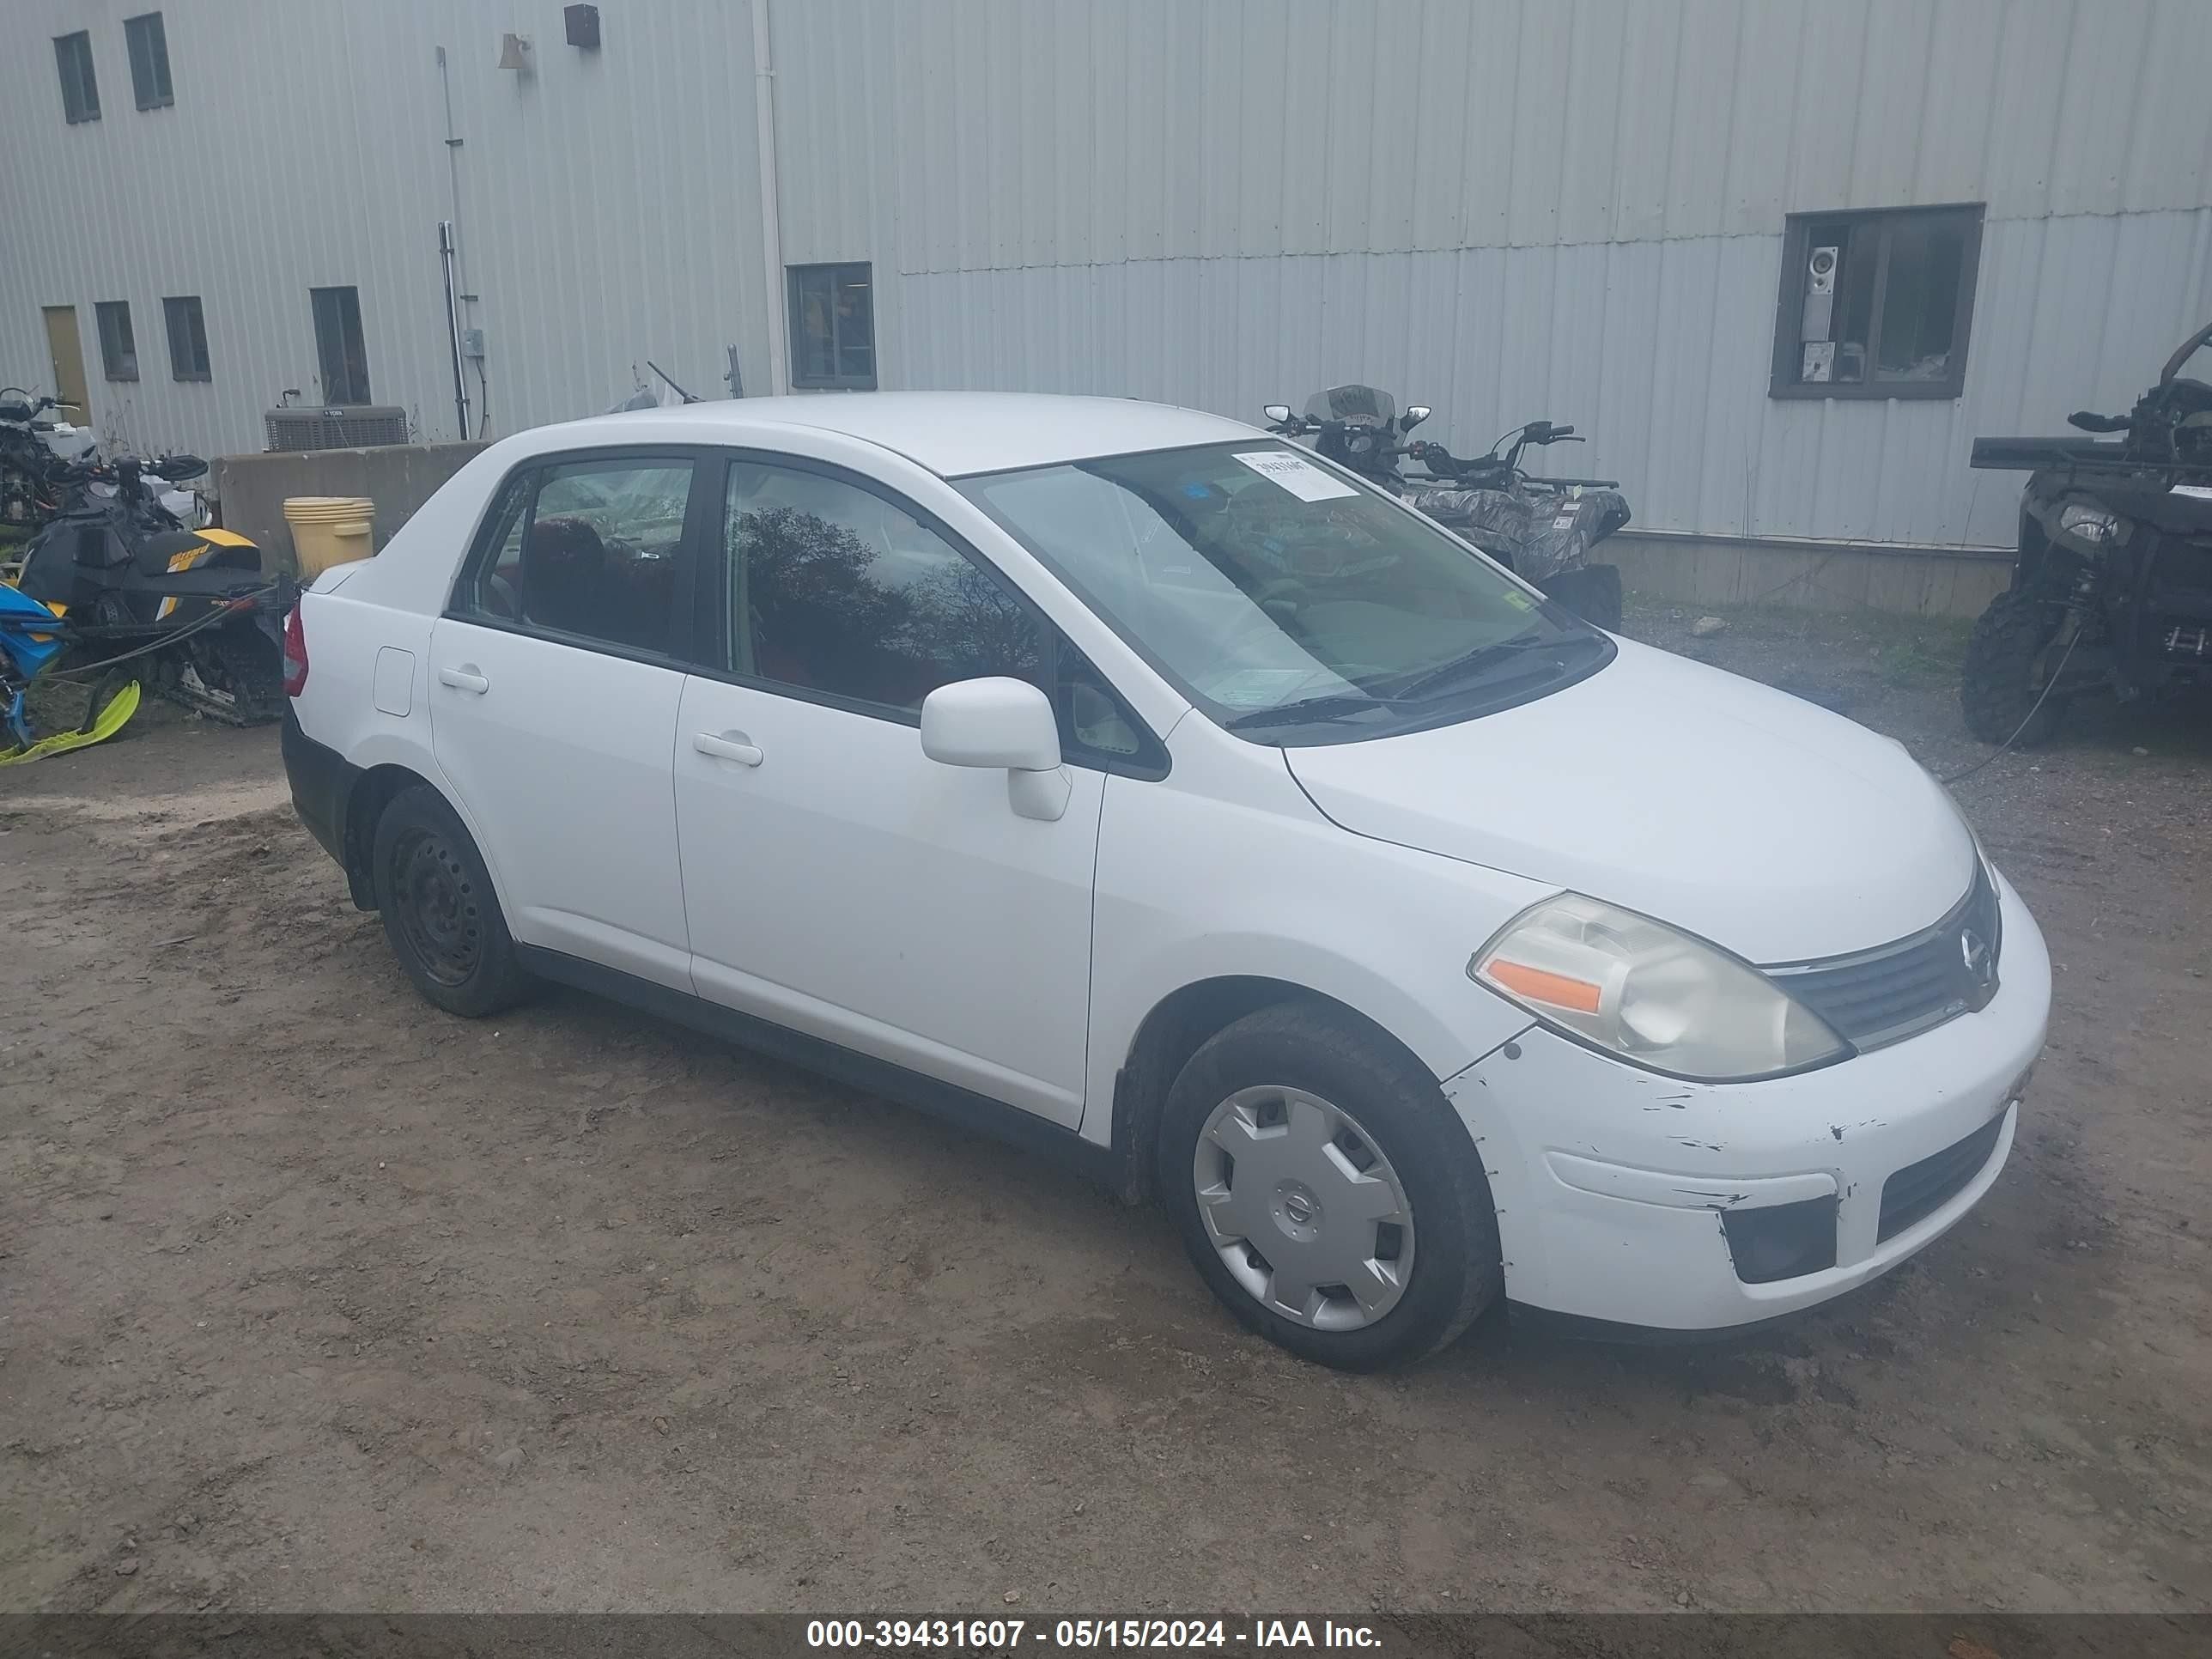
(438, 908)
(1305, 1210)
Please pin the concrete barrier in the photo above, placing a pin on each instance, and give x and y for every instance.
(398, 477)
(1816, 576)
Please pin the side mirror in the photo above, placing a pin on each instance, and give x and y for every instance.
(1414, 415)
(1277, 413)
(1000, 723)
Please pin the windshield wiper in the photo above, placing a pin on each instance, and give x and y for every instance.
(1482, 656)
(1330, 706)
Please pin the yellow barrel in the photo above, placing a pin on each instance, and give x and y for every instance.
(328, 530)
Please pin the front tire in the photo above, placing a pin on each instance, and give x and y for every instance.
(440, 913)
(2003, 680)
(1326, 1190)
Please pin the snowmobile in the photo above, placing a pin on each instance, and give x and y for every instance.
(193, 607)
(31, 639)
(2112, 588)
(1541, 529)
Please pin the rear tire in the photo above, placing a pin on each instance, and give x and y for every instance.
(439, 912)
(1394, 1146)
(1999, 689)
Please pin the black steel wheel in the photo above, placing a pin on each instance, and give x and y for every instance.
(439, 912)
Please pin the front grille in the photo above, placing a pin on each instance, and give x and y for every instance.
(1918, 1190)
(1883, 996)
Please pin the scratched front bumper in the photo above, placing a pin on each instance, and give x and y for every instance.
(1610, 1182)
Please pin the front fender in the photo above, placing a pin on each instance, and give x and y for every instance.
(1191, 887)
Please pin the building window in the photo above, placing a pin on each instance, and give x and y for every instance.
(80, 92)
(339, 346)
(118, 351)
(833, 327)
(1876, 304)
(188, 352)
(149, 60)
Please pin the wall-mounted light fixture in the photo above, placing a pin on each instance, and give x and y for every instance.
(514, 53)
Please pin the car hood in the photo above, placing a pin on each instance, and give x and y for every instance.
(1751, 817)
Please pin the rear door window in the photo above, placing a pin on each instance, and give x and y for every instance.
(590, 550)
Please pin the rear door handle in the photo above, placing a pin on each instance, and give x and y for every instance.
(464, 679)
(735, 747)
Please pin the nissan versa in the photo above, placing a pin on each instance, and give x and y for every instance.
(1125, 779)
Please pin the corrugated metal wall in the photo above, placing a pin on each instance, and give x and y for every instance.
(1565, 207)
(610, 205)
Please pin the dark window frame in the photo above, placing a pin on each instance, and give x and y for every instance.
(1060, 659)
(795, 277)
(193, 363)
(114, 347)
(701, 515)
(1789, 310)
(80, 80)
(146, 43)
(323, 358)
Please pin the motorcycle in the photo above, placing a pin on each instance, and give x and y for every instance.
(2112, 587)
(1540, 528)
(118, 564)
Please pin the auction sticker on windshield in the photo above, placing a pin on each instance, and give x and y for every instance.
(1297, 475)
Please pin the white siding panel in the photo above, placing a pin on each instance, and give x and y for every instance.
(1070, 131)
(1705, 82)
(1588, 132)
(2099, 109)
(1961, 91)
(1762, 132)
(1824, 134)
(2170, 148)
(1647, 100)
(1892, 92)
(2032, 48)
(1533, 164)
(1436, 165)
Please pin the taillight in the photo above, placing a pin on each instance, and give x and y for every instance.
(295, 654)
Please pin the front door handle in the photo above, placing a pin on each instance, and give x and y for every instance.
(736, 746)
(464, 679)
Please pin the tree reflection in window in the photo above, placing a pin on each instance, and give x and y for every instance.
(835, 590)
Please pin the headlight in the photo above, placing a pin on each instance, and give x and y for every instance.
(1651, 995)
(2090, 524)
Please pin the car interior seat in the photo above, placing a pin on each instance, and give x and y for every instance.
(564, 576)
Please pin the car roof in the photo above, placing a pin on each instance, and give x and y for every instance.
(951, 432)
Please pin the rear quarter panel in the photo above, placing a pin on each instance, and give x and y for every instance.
(354, 613)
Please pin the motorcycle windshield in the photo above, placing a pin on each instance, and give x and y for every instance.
(1365, 405)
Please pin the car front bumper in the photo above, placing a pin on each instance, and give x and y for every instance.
(1645, 1201)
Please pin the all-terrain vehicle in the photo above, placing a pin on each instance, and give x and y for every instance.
(2112, 590)
(1541, 529)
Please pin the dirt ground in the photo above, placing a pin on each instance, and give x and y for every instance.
(314, 1298)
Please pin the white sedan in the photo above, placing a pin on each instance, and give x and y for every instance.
(1126, 780)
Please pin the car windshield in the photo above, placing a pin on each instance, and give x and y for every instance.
(1292, 605)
